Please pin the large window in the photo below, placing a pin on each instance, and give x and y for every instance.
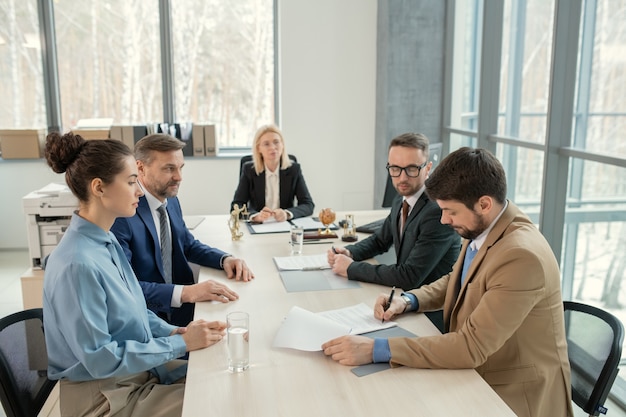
(140, 62)
(21, 75)
(109, 61)
(561, 119)
(224, 65)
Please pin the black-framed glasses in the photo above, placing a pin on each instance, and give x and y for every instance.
(411, 171)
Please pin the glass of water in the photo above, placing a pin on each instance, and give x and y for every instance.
(297, 239)
(238, 330)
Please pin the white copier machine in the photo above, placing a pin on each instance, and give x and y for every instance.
(48, 213)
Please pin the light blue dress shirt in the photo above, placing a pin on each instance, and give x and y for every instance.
(96, 321)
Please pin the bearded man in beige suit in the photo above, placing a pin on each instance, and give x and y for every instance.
(503, 310)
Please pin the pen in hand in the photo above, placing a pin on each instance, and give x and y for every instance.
(393, 290)
(334, 250)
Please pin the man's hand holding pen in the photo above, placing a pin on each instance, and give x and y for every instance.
(385, 310)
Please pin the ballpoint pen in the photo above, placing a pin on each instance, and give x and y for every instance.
(334, 250)
(393, 290)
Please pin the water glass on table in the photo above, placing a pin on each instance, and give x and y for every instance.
(297, 239)
(238, 331)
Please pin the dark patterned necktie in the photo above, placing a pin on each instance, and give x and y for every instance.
(405, 215)
(166, 245)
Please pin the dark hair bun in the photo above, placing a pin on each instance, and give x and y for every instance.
(61, 151)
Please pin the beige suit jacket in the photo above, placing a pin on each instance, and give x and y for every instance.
(506, 321)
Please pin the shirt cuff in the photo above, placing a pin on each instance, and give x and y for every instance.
(289, 215)
(177, 296)
(414, 303)
(381, 352)
(226, 255)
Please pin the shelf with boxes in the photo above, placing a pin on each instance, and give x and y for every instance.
(29, 143)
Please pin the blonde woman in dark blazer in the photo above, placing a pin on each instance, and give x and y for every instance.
(272, 185)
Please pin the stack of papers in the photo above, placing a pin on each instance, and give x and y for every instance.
(304, 330)
(302, 263)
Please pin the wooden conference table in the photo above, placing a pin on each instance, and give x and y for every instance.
(287, 382)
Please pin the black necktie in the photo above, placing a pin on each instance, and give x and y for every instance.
(166, 245)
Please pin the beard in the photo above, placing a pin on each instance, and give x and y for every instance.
(480, 225)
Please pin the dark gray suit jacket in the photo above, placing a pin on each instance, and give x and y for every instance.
(427, 250)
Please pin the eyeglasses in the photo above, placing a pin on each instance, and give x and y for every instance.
(269, 144)
(411, 171)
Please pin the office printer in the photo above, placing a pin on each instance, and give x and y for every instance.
(48, 212)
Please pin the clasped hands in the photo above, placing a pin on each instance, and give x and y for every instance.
(339, 260)
(353, 350)
(279, 215)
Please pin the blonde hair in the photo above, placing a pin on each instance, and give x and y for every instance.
(257, 158)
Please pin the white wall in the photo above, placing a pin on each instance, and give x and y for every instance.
(327, 91)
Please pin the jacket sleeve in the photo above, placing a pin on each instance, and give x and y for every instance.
(305, 203)
(432, 244)
(195, 251)
(243, 193)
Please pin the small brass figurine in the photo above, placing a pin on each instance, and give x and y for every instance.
(233, 221)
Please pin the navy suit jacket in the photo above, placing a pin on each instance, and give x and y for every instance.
(251, 191)
(139, 239)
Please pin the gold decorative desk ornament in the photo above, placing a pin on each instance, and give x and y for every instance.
(233, 221)
(327, 217)
(349, 229)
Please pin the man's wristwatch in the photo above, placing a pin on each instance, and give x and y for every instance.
(407, 302)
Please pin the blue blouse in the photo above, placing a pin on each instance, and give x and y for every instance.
(96, 321)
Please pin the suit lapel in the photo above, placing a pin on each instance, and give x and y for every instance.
(284, 186)
(144, 213)
(494, 235)
(259, 188)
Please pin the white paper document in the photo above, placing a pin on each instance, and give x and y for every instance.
(302, 263)
(359, 317)
(304, 330)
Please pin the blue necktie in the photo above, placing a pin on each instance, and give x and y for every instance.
(166, 245)
(469, 257)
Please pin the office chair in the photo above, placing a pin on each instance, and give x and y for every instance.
(594, 347)
(248, 158)
(24, 385)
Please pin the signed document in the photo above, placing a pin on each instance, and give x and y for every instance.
(304, 330)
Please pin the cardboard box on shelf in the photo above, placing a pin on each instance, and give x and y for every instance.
(22, 143)
(92, 134)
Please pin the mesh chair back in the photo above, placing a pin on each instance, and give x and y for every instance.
(594, 347)
(24, 386)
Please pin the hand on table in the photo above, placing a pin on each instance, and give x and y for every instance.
(350, 350)
(208, 291)
(200, 333)
(237, 269)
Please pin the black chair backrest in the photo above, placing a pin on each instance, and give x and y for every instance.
(248, 158)
(594, 347)
(24, 386)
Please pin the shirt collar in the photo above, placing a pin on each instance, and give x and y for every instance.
(87, 228)
(413, 198)
(153, 202)
(477, 243)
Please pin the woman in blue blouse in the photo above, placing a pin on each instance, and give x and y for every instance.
(111, 354)
(271, 182)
